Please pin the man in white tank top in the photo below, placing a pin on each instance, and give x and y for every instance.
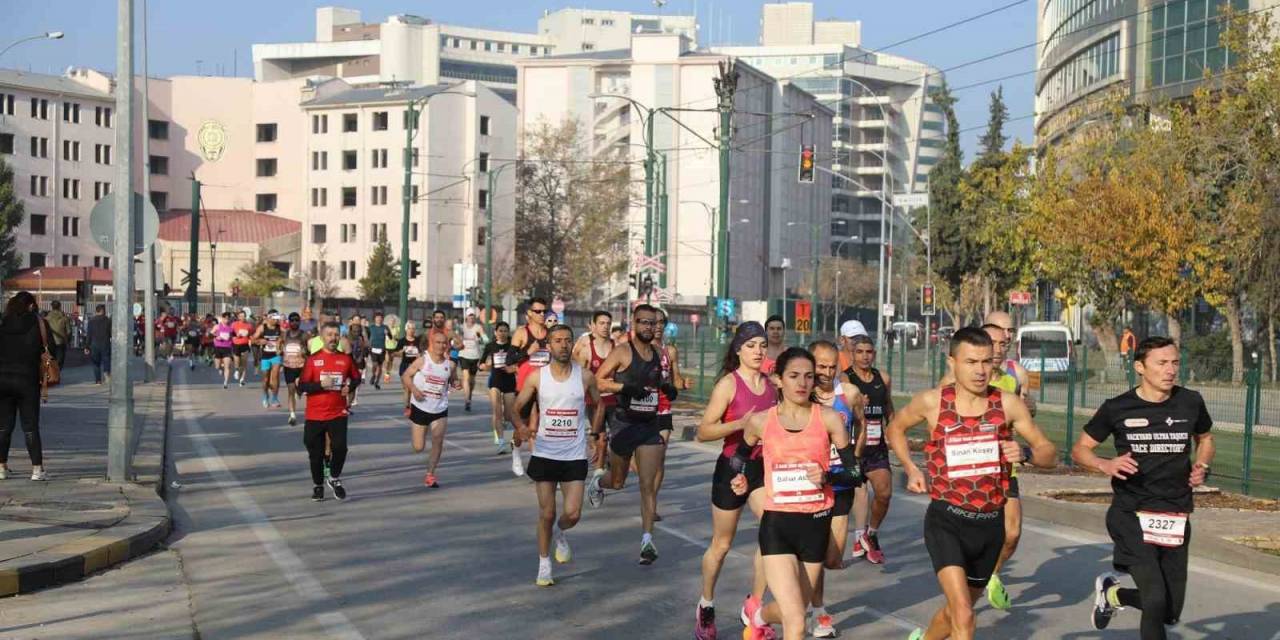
(563, 393)
(428, 381)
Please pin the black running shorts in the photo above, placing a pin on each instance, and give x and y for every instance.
(626, 436)
(803, 535)
(548, 470)
(222, 352)
(875, 459)
(844, 503)
(469, 365)
(291, 375)
(722, 495)
(970, 540)
(421, 418)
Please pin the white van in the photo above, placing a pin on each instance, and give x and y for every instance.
(1047, 341)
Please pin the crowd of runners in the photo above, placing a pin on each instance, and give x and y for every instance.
(805, 433)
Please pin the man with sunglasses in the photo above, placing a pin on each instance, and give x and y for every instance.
(531, 341)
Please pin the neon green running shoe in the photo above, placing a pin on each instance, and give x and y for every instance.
(996, 594)
(918, 634)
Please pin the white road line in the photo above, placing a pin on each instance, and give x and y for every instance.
(293, 568)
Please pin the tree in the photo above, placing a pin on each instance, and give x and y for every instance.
(381, 282)
(993, 141)
(11, 217)
(261, 279)
(572, 214)
(955, 254)
(322, 280)
(856, 282)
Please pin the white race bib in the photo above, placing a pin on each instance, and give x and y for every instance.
(791, 484)
(874, 432)
(647, 404)
(560, 423)
(1163, 529)
(242, 333)
(411, 352)
(434, 386)
(469, 343)
(270, 346)
(835, 457)
(224, 336)
(293, 349)
(972, 455)
(331, 381)
(376, 351)
(542, 358)
(499, 359)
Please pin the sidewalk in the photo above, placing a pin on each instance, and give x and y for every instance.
(77, 523)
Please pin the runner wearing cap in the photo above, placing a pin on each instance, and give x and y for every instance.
(473, 339)
(850, 329)
(267, 338)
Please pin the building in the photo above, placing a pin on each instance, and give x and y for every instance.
(773, 120)
(791, 24)
(229, 240)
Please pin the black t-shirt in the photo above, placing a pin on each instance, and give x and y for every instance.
(511, 356)
(1160, 436)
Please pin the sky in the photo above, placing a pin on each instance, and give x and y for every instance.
(215, 38)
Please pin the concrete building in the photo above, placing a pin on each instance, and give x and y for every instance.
(229, 240)
(787, 24)
(663, 70)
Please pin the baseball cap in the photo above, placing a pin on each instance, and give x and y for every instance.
(852, 329)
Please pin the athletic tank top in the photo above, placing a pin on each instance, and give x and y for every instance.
(846, 414)
(562, 417)
(646, 373)
(966, 467)
(664, 365)
(222, 335)
(745, 401)
(295, 349)
(787, 455)
(608, 399)
(433, 380)
(539, 357)
(270, 341)
(1008, 380)
(409, 350)
(877, 395)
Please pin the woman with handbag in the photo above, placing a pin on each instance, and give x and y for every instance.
(25, 369)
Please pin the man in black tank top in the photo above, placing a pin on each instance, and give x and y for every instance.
(871, 449)
(634, 373)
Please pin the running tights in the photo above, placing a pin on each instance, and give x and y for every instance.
(313, 437)
(1162, 589)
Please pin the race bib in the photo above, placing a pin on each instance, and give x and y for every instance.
(647, 404)
(835, 457)
(1163, 529)
(972, 455)
(499, 359)
(193, 333)
(242, 333)
(376, 351)
(791, 484)
(293, 349)
(433, 386)
(560, 423)
(542, 358)
(411, 352)
(331, 381)
(469, 343)
(874, 432)
(224, 336)
(270, 346)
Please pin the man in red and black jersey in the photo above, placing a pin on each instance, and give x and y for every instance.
(328, 378)
(969, 453)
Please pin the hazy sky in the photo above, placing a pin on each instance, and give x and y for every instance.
(189, 36)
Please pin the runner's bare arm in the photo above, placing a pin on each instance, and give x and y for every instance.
(888, 396)
(712, 427)
(617, 360)
(834, 423)
(582, 350)
(914, 413)
(407, 380)
(1118, 467)
(677, 377)
(1205, 450)
(257, 335)
(1043, 453)
(1020, 374)
(593, 400)
(455, 381)
(527, 394)
(520, 338)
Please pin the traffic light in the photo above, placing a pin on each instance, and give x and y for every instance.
(83, 291)
(806, 164)
(415, 269)
(926, 301)
(635, 281)
(646, 285)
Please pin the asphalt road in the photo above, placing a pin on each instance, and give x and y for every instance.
(253, 557)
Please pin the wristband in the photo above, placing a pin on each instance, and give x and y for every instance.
(1026, 454)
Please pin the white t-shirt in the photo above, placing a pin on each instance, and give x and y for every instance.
(472, 340)
(562, 416)
(433, 380)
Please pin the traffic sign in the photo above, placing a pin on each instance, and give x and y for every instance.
(102, 289)
(909, 200)
(888, 310)
(146, 223)
(649, 263)
(804, 316)
(724, 307)
(1020, 297)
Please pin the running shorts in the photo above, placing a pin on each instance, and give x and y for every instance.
(467, 364)
(1012, 493)
(503, 382)
(875, 459)
(664, 422)
(970, 540)
(291, 375)
(222, 352)
(844, 503)
(626, 436)
(404, 364)
(241, 349)
(378, 358)
(421, 418)
(547, 470)
(265, 364)
(1130, 550)
(803, 535)
(722, 495)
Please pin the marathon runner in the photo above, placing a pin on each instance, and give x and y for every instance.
(618, 334)
(1152, 478)
(499, 358)
(358, 346)
(293, 358)
(635, 375)
(392, 346)
(796, 438)
(873, 451)
(473, 339)
(223, 343)
(410, 347)
(590, 351)
(267, 338)
(206, 338)
(560, 448)
(968, 452)
(192, 333)
(428, 380)
(240, 340)
(377, 348)
(670, 374)
(327, 378)
(742, 391)
(849, 330)
(833, 390)
(531, 340)
(776, 332)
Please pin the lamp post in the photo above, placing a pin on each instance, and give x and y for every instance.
(48, 35)
(838, 305)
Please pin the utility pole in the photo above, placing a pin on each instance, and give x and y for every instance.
(193, 270)
(725, 85)
(120, 409)
(149, 266)
(410, 126)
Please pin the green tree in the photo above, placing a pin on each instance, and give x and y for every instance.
(381, 282)
(992, 142)
(955, 254)
(261, 279)
(11, 217)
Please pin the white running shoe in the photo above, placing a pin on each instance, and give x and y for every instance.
(39, 474)
(544, 574)
(563, 553)
(517, 463)
(595, 492)
(237, 376)
(4, 473)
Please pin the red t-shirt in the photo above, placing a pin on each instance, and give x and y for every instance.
(169, 326)
(332, 369)
(241, 331)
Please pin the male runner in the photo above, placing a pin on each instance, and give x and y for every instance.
(775, 342)
(1152, 477)
(327, 377)
(473, 339)
(969, 450)
(531, 340)
(242, 332)
(590, 351)
(267, 337)
(377, 348)
(618, 335)
(428, 380)
(872, 450)
(635, 374)
(560, 450)
(357, 339)
(293, 358)
(192, 333)
(849, 330)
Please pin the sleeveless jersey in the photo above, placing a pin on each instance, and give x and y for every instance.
(433, 380)
(664, 403)
(846, 413)
(648, 374)
(409, 349)
(877, 395)
(787, 454)
(295, 349)
(1008, 380)
(966, 468)
(745, 401)
(270, 341)
(539, 357)
(562, 416)
(607, 399)
(222, 335)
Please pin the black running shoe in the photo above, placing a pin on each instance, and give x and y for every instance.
(338, 491)
(317, 493)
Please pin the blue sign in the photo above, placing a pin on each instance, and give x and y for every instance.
(671, 330)
(459, 299)
(724, 307)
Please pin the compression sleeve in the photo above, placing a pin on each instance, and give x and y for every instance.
(851, 473)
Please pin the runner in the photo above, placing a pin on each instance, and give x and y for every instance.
(796, 437)
(223, 343)
(327, 377)
(618, 334)
(670, 362)
(531, 340)
(969, 451)
(873, 451)
(776, 332)
(242, 330)
(410, 347)
(833, 390)
(742, 391)
(1152, 477)
(849, 330)
(499, 359)
(267, 337)
(560, 450)
(392, 345)
(590, 352)
(167, 326)
(192, 334)
(473, 339)
(358, 346)
(206, 338)
(428, 380)
(377, 348)
(294, 349)
(635, 374)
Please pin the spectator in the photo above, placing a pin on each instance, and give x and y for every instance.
(59, 332)
(22, 346)
(1128, 343)
(99, 347)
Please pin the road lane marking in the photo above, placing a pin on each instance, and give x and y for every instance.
(292, 566)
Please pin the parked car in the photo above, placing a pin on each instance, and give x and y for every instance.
(1044, 342)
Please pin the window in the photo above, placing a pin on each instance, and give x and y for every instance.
(588, 46)
(480, 233)
(39, 185)
(380, 121)
(482, 165)
(267, 132)
(606, 22)
(413, 232)
(473, 45)
(158, 129)
(102, 116)
(71, 112)
(502, 47)
(319, 160)
(350, 122)
(71, 226)
(404, 118)
(40, 108)
(348, 232)
(515, 48)
(317, 234)
(484, 125)
(39, 147)
(378, 159)
(488, 46)
(160, 200)
(159, 165)
(588, 21)
(413, 194)
(71, 150)
(483, 200)
(265, 202)
(415, 158)
(266, 167)
(457, 42)
(378, 195)
(70, 260)
(6, 143)
(101, 190)
(36, 259)
(378, 232)
(319, 197)
(320, 124)
(39, 223)
(6, 104)
(348, 160)
(102, 153)
(71, 188)
(346, 269)
(102, 262)
(348, 196)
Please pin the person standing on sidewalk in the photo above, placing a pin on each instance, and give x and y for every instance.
(99, 346)
(23, 338)
(328, 377)
(59, 331)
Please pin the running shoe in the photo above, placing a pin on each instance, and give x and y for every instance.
(338, 491)
(275, 402)
(242, 382)
(704, 623)
(466, 406)
(497, 440)
(595, 492)
(237, 376)
(996, 594)
(266, 401)
(752, 631)
(648, 552)
(193, 366)
(430, 481)
(377, 385)
(504, 446)
(1103, 610)
(858, 549)
(386, 378)
(4, 473)
(918, 634)
(874, 554)
(563, 552)
(544, 575)
(224, 385)
(500, 444)
(39, 475)
(317, 493)
(823, 626)
(517, 463)
(293, 419)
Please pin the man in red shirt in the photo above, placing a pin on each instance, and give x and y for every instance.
(328, 378)
(167, 324)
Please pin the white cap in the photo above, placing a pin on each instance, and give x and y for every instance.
(852, 329)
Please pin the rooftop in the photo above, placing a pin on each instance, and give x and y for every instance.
(49, 83)
(366, 95)
(228, 225)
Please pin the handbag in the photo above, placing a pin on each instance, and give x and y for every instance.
(50, 374)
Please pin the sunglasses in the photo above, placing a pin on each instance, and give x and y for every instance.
(538, 311)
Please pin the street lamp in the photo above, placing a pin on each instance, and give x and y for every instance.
(838, 305)
(48, 35)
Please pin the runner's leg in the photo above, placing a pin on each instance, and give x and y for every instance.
(437, 444)
(724, 525)
(955, 620)
(571, 510)
(649, 459)
(791, 579)
(496, 407)
(546, 516)
(419, 438)
(1012, 530)
(882, 487)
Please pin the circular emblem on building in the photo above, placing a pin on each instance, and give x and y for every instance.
(212, 138)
